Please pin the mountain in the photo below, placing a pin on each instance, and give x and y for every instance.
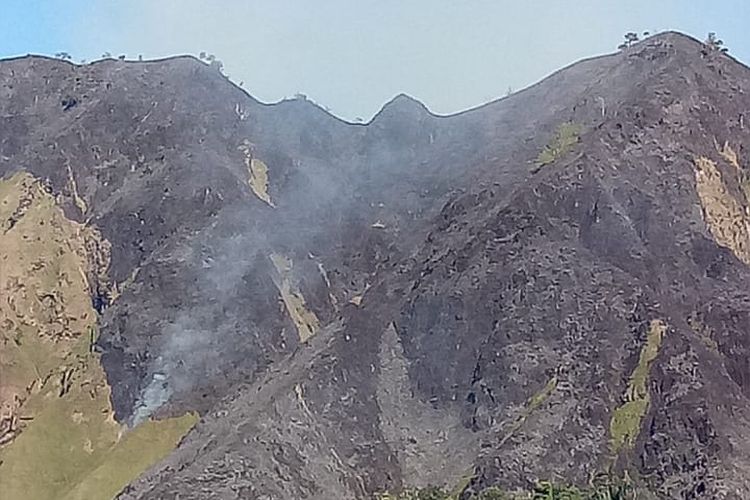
(205, 296)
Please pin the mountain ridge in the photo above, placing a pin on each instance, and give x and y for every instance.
(352, 307)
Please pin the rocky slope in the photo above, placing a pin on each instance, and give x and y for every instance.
(547, 286)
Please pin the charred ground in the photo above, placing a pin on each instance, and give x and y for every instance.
(422, 299)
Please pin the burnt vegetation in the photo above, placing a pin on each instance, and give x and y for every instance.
(544, 287)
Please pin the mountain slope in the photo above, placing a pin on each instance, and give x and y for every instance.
(550, 285)
(57, 420)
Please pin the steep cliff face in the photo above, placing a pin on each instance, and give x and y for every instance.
(550, 285)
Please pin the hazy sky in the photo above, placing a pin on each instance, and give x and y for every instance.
(354, 55)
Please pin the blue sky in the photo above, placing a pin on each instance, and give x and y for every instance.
(354, 55)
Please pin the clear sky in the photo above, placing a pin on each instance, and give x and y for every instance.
(354, 55)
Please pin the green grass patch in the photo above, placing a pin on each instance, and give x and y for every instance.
(625, 424)
(73, 448)
(566, 136)
(148, 444)
(638, 388)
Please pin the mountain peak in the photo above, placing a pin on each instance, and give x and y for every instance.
(680, 42)
(402, 105)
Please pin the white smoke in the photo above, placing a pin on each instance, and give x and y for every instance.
(191, 347)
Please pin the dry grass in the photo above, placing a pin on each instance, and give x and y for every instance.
(304, 319)
(63, 440)
(257, 174)
(724, 215)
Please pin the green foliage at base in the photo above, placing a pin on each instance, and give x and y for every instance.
(492, 493)
(566, 136)
(608, 489)
(602, 487)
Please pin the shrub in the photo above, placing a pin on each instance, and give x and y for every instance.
(630, 39)
(713, 44)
